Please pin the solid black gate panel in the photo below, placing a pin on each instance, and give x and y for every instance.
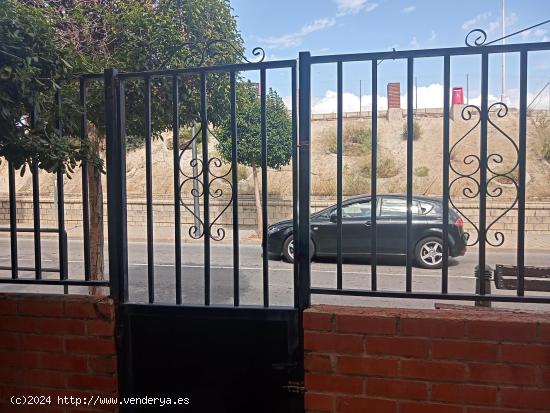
(223, 361)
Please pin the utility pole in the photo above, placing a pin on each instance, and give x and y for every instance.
(360, 97)
(503, 55)
(415, 94)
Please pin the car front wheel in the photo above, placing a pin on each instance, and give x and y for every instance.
(429, 252)
(288, 249)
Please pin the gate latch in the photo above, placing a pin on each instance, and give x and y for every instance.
(295, 387)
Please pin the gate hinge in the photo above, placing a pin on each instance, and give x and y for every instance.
(295, 387)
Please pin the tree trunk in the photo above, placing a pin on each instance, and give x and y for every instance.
(257, 197)
(97, 266)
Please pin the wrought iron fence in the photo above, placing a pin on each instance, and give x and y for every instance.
(480, 176)
(205, 171)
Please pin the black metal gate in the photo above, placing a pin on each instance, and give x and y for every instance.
(218, 358)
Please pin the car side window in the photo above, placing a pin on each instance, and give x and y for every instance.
(396, 207)
(359, 209)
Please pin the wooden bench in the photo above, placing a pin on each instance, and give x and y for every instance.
(535, 278)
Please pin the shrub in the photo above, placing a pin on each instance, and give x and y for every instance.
(421, 171)
(356, 140)
(541, 124)
(417, 131)
(387, 167)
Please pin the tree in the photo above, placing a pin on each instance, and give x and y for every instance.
(279, 135)
(130, 35)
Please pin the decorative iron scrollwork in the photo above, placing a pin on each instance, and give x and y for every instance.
(214, 164)
(472, 188)
(476, 37)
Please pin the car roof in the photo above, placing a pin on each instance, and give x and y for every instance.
(415, 197)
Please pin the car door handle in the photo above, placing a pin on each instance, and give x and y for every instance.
(368, 223)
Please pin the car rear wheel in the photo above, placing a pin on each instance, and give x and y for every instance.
(429, 252)
(288, 249)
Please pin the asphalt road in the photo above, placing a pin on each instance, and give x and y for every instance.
(355, 275)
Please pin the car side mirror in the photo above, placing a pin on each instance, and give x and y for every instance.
(333, 217)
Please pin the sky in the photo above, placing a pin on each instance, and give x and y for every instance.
(283, 28)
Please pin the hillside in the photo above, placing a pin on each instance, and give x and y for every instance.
(357, 169)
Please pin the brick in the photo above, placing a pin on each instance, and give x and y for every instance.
(398, 346)
(316, 402)
(41, 308)
(525, 398)
(61, 326)
(80, 310)
(44, 378)
(502, 331)
(525, 353)
(367, 366)
(90, 345)
(464, 350)
(544, 333)
(366, 324)
(8, 307)
(10, 375)
(317, 321)
(102, 364)
(416, 407)
(9, 341)
(334, 384)
(333, 343)
(433, 370)
(63, 362)
(42, 343)
(493, 410)
(317, 362)
(18, 359)
(17, 324)
(86, 382)
(502, 374)
(432, 327)
(100, 328)
(464, 393)
(398, 389)
(364, 404)
(545, 376)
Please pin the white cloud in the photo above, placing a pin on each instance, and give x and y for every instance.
(475, 20)
(409, 9)
(433, 36)
(295, 39)
(429, 97)
(538, 34)
(354, 6)
(414, 42)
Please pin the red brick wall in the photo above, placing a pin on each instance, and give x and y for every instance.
(56, 345)
(394, 96)
(426, 361)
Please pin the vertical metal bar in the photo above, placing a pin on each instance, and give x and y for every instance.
(522, 171)
(483, 169)
(116, 185)
(235, 184)
(263, 122)
(85, 182)
(36, 208)
(13, 222)
(149, 190)
(410, 138)
(304, 185)
(206, 186)
(374, 162)
(177, 193)
(60, 196)
(294, 106)
(339, 168)
(446, 161)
